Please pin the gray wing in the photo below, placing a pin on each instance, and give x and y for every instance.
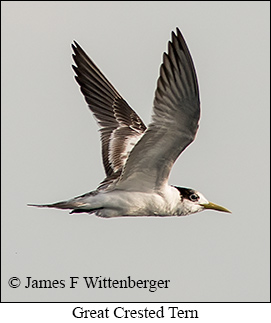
(176, 114)
(120, 126)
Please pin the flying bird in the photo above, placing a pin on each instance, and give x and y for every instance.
(137, 159)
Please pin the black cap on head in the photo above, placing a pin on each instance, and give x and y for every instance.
(185, 192)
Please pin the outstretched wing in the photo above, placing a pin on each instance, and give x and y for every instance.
(176, 114)
(121, 127)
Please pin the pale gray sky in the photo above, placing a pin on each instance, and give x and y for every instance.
(51, 150)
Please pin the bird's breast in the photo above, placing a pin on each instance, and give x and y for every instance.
(141, 203)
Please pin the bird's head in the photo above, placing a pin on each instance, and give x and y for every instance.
(193, 202)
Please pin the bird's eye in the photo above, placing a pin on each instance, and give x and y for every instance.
(193, 197)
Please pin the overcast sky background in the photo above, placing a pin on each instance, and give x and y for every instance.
(51, 150)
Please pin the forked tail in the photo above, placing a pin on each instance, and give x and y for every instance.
(82, 203)
(58, 205)
(75, 205)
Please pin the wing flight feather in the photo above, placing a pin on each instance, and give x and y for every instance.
(120, 126)
(176, 113)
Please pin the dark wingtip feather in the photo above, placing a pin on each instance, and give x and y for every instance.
(178, 32)
(75, 44)
(75, 68)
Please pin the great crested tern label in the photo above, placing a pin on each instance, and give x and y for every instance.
(98, 282)
(127, 312)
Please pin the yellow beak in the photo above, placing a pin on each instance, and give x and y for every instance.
(216, 207)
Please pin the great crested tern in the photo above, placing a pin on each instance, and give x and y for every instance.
(138, 159)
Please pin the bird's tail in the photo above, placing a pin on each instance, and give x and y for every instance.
(82, 203)
(57, 205)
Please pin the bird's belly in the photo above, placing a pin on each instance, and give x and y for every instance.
(121, 203)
